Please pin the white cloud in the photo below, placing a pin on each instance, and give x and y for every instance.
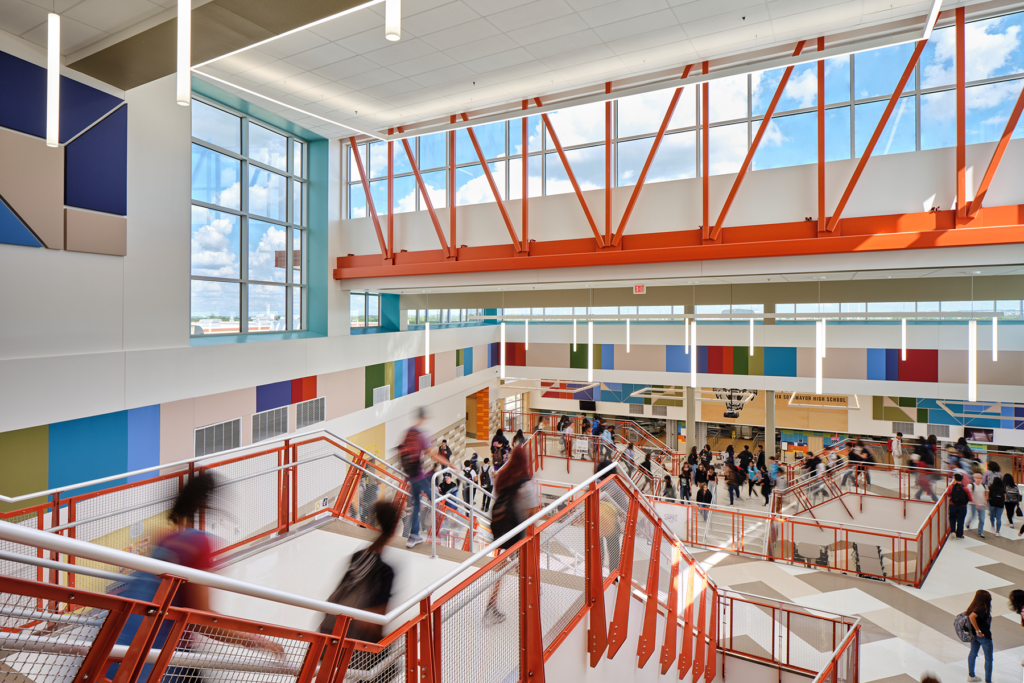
(727, 98)
(214, 244)
(988, 50)
(773, 137)
(262, 255)
(728, 146)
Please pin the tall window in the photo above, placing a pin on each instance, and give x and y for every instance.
(365, 309)
(249, 241)
(857, 89)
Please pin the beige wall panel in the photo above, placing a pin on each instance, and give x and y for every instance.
(95, 233)
(445, 370)
(34, 186)
(844, 363)
(652, 359)
(547, 355)
(177, 431)
(480, 357)
(1008, 370)
(345, 392)
(953, 366)
(226, 406)
(805, 365)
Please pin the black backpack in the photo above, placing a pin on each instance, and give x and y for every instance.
(958, 496)
(997, 493)
(485, 476)
(409, 453)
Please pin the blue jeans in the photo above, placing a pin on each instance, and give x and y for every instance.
(416, 488)
(734, 490)
(984, 644)
(704, 510)
(995, 515)
(980, 514)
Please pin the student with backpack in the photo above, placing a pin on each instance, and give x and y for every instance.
(959, 499)
(486, 483)
(979, 614)
(979, 504)
(410, 452)
(667, 490)
(996, 503)
(468, 492)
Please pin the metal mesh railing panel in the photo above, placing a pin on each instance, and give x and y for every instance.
(664, 569)
(245, 503)
(318, 483)
(19, 570)
(386, 666)
(43, 642)
(613, 509)
(643, 540)
(209, 653)
(811, 640)
(563, 565)
(490, 637)
(750, 629)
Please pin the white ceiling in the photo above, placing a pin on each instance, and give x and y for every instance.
(462, 55)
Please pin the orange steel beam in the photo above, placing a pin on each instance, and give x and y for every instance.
(391, 197)
(620, 618)
(572, 176)
(711, 668)
(822, 218)
(699, 648)
(451, 192)
(997, 156)
(834, 222)
(426, 195)
(961, 117)
(648, 633)
(494, 187)
(686, 653)
(650, 158)
(608, 166)
(369, 199)
(526, 178)
(704, 165)
(668, 650)
(597, 634)
(765, 122)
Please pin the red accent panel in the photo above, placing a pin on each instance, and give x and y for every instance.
(715, 360)
(303, 389)
(921, 365)
(419, 372)
(726, 360)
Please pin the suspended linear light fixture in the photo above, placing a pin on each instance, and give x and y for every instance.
(972, 360)
(693, 355)
(627, 335)
(686, 342)
(574, 334)
(393, 20)
(184, 76)
(503, 349)
(819, 354)
(590, 351)
(52, 80)
(751, 336)
(426, 359)
(903, 334)
(995, 339)
(527, 334)
(824, 341)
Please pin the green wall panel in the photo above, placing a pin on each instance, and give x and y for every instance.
(741, 360)
(374, 379)
(578, 358)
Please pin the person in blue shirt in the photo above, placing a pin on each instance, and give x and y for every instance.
(752, 478)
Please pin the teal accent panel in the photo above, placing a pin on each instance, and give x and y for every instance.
(318, 260)
(467, 361)
(89, 448)
(215, 93)
(389, 320)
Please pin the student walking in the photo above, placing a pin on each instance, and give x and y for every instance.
(704, 499)
(996, 503)
(685, 477)
(411, 453)
(668, 491)
(732, 480)
(766, 486)
(959, 499)
(752, 477)
(979, 613)
(1012, 498)
(979, 504)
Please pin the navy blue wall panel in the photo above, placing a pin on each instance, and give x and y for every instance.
(96, 167)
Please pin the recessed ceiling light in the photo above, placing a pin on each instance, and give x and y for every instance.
(977, 272)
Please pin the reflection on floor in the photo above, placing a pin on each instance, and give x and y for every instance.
(905, 631)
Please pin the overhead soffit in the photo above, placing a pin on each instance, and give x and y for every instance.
(218, 28)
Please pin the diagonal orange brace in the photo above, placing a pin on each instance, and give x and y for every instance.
(699, 646)
(668, 650)
(369, 200)
(620, 618)
(711, 670)
(837, 214)
(650, 158)
(426, 195)
(648, 633)
(494, 188)
(597, 634)
(762, 129)
(572, 176)
(997, 156)
(686, 653)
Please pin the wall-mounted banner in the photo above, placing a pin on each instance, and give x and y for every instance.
(798, 400)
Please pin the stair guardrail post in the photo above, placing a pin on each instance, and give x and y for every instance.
(648, 634)
(597, 634)
(620, 620)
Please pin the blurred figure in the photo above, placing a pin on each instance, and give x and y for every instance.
(468, 492)
(996, 503)
(667, 490)
(766, 485)
(1017, 606)
(685, 478)
(611, 533)
(542, 424)
(896, 449)
(519, 439)
(369, 490)
(411, 453)
(959, 501)
(498, 444)
(704, 499)
(1011, 498)
(732, 481)
(515, 499)
(367, 582)
(979, 504)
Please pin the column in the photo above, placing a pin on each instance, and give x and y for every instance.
(672, 434)
(769, 424)
(691, 419)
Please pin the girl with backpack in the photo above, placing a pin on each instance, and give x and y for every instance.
(979, 614)
(1012, 498)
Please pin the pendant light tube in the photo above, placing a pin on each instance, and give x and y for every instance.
(627, 335)
(503, 350)
(995, 339)
(972, 360)
(426, 356)
(686, 343)
(751, 336)
(824, 340)
(527, 334)
(818, 358)
(574, 334)
(693, 355)
(52, 80)
(903, 337)
(393, 20)
(590, 351)
(184, 75)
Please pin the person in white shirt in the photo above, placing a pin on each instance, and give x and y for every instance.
(896, 449)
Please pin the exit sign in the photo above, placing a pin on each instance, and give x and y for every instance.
(639, 289)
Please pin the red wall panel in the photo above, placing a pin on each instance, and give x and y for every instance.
(921, 365)
(715, 360)
(726, 360)
(303, 389)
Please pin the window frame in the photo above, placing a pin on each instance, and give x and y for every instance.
(366, 310)
(291, 175)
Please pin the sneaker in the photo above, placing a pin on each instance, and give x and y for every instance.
(492, 616)
(973, 679)
(414, 541)
(980, 536)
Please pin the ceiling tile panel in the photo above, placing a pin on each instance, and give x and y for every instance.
(461, 35)
(111, 16)
(446, 16)
(320, 56)
(617, 11)
(439, 76)
(430, 62)
(293, 44)
(563, 44)
(547, 30)
(488, 7)
(527, 15)
(368, 79)
(481, 48)
(348, 25)
(19, 16)
(74, 35)
(401, 51)
(729, 21)
(346, 67)
(636, 25)
(500, 60)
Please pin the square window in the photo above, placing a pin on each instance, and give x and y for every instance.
(216, 126)
(215, 178)
(268, 147)
(267, 308)
(215, 307)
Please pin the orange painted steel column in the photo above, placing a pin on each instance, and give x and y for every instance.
(961, 116)
(529, 598)
(426, 197)
(608, 166)
(620, 619)
(997, 156)
(526, 178)
(650, 159)
(668, 650)
(571, 175)
(391, 196)
(704, 137)
(597, 634)
(369, 199)
(494, 187)
(765, 122)
(451, 193)
(649, 632)
(699, 648)
(686, 653)
(712, 663)
(822, 218)
(834, 222)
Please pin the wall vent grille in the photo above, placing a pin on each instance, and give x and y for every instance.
(941, 431)
(310, 412)
(904, 428)
(219, 437)
(636, 409)
(269, 424)
(382, 394)
(659, 411)
(424, 382)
